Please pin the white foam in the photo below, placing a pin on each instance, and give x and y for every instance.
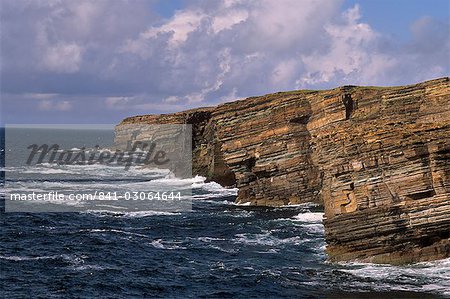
(243, 204)
(437, 272)
(239, 213)
(271, 250)
(108, 206)
(28, 258)
(46, 170)
(209, 239)
(266, 239)
(144, 170)
(158, 243)
(300, 205)
(173, 181)
(211, 186)
(310, 217)
(314, 228)
(118, 231)
(68, 202)
(93, 169)
(210, 196)
(140, 214)
(103, 150)
(229, 250)
(10, 169)
(90, 267)
(137, 214)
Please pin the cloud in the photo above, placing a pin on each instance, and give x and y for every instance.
(179, 27)
(118, 103)
(172, 99)
(40, 96)
(139, 103)
(128, 60)
(62, 58)
(351, 55)
(228, 19)
(251, 47)
(50, 105)
(64, 36)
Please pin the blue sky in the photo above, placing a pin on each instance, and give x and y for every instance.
(394, 17)
(100, 61)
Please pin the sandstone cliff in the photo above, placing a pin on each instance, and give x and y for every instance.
(377, 158)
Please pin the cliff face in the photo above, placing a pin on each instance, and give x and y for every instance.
(377, 158)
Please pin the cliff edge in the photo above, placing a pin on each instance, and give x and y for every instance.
(378, 158)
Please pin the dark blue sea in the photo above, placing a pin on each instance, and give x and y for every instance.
(215, 250)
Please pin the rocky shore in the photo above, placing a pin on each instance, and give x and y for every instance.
(377, 158)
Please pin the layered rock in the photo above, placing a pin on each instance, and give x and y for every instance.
(377, 158)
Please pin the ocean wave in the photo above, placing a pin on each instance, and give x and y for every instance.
(64, 257)
(305, 205)
(111, 230)
(206, 196)
(91, 267)
(314, 229)
(101, 170)
(309, 217)
(136, 214)
(160, 244)
(17, 258)
(244, 204)
(10, 169)
(266, 239)
(424, 277)
(221, 249)
(42, 170)
(212, 186)
(209, 239)
(71, 259)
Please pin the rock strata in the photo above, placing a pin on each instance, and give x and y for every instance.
(377, 158)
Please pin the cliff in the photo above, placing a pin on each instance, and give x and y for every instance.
(377, 158)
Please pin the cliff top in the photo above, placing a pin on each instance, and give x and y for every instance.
(180, 117)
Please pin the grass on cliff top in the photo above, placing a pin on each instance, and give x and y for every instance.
(378, 87)
(445, 79)
(309, 91)
(354, 87)
(294, 92)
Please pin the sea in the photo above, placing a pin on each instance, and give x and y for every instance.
(214, 249)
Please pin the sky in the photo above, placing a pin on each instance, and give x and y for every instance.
(99, 61)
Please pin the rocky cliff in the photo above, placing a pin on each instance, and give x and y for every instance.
(377, 158)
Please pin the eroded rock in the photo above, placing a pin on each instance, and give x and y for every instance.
(377, 158)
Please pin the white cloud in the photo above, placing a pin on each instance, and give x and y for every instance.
(139, 102)
(62, 58)
(40, 96)
(174, 32)
(351, 54)
(158, 107)
(54, 105)
(228, 19)
(119, 103)
(206, 53)
(179, 27)
(284, 72)
(172, 99)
